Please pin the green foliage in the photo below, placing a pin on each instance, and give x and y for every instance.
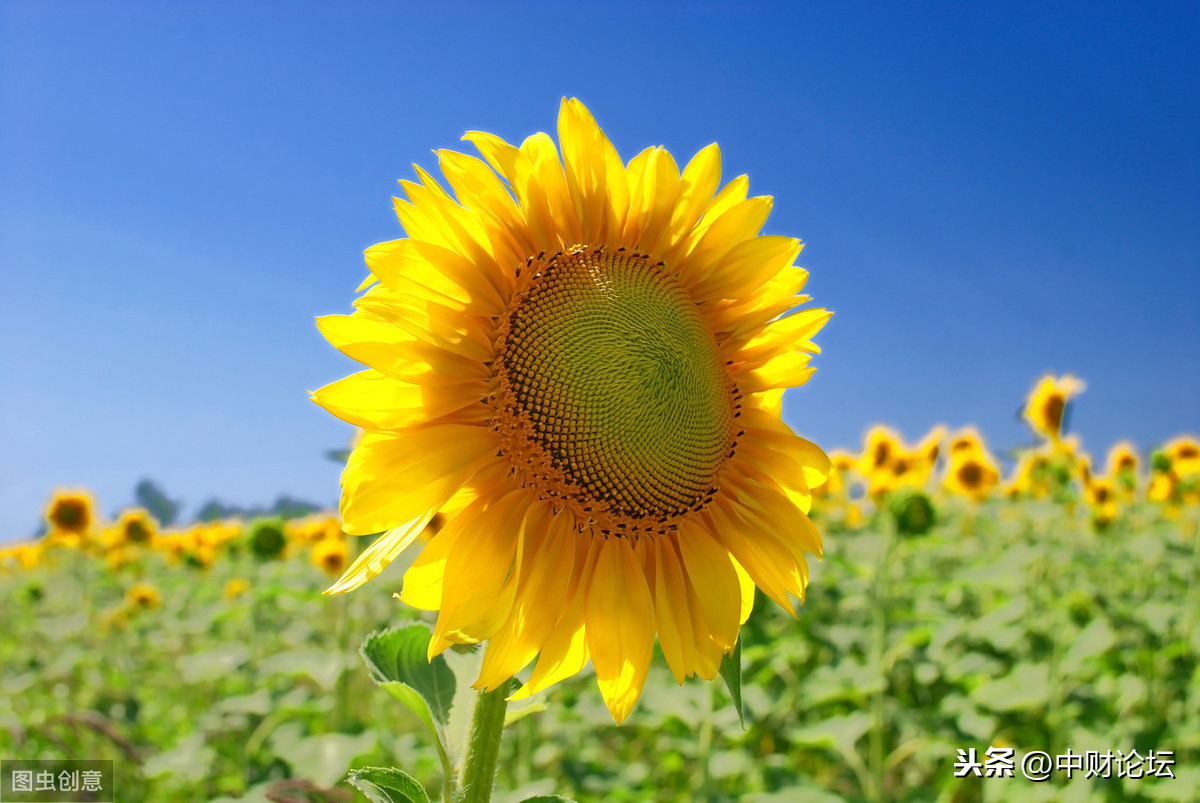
(912, 511)
(267, 539)
(285, 507)
(1007, 622)
(731, 673)
(387, 785)
(398, 656)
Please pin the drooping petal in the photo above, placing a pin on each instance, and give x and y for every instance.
(620, 626)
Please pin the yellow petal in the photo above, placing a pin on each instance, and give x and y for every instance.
(742, 269)
(373, 400)
(595, 174)
(620, 626)
(440, 269)
(711, 573)
(672, 615)
(543, 588)
(391, 350)
(746, 584)
(395, 478)
(379, 555)
(697, 185)
(475, 591)
(565, 652)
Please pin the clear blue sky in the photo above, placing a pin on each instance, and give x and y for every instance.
(986, 191)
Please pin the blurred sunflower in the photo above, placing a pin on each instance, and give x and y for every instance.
(581, 363)
(23, 556)
(1046, 405)
(966, 441)
(135, 526)
(1184, 454)
(71, 515)
(1122, 459)
(972, 474)
(234, 588)
(841, 474)
(1100, 493)
(143, 596)
(330, 555)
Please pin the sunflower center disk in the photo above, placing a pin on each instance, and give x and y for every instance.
(611, 377)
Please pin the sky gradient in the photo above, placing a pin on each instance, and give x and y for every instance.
(985, 195)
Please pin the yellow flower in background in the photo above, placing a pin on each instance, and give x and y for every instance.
(136, 526)
(71, 516)
(581, 363)
(1100, 493)
(1047, 404)
(143, 596)
(234, 588)
(841, 471)
(1122, 459)
(121, 555)
(880, 446)
(313, 529)
(1184, 454)
(888, 463)
(966, 441)
(330, 556)
(22, 556)
(972, 474)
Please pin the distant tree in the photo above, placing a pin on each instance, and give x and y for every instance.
(286, 507)
(148, 495)
(215, 510)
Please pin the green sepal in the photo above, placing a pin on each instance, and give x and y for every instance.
(387, 785)
(731, 671)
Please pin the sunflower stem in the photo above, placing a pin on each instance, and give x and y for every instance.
(880, 595)
(483, 747)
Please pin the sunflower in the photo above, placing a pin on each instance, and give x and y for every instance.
(234, 588)
(135, 526)
(1122, 459)
(1046, 406)
(71, 515)
(966, 441)
(581, 363)
(841, 475)
(143, 596)
(329, 555)
(972, 474)
(1184, 454)
(1101, 496)
(23, 556)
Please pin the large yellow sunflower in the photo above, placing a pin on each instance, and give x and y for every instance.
(580, 364)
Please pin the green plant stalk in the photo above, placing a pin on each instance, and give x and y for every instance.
(704, 749)
(342, 639)
(483, 746)
(879, 646)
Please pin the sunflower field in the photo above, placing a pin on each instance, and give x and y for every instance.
(1054, 610)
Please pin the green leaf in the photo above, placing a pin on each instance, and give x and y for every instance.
(548, 799)
(415, 703)
(398, 656)
(387, 785)
(731, 671)
(515, 714)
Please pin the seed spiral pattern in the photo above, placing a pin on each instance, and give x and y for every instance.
(608, 371)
